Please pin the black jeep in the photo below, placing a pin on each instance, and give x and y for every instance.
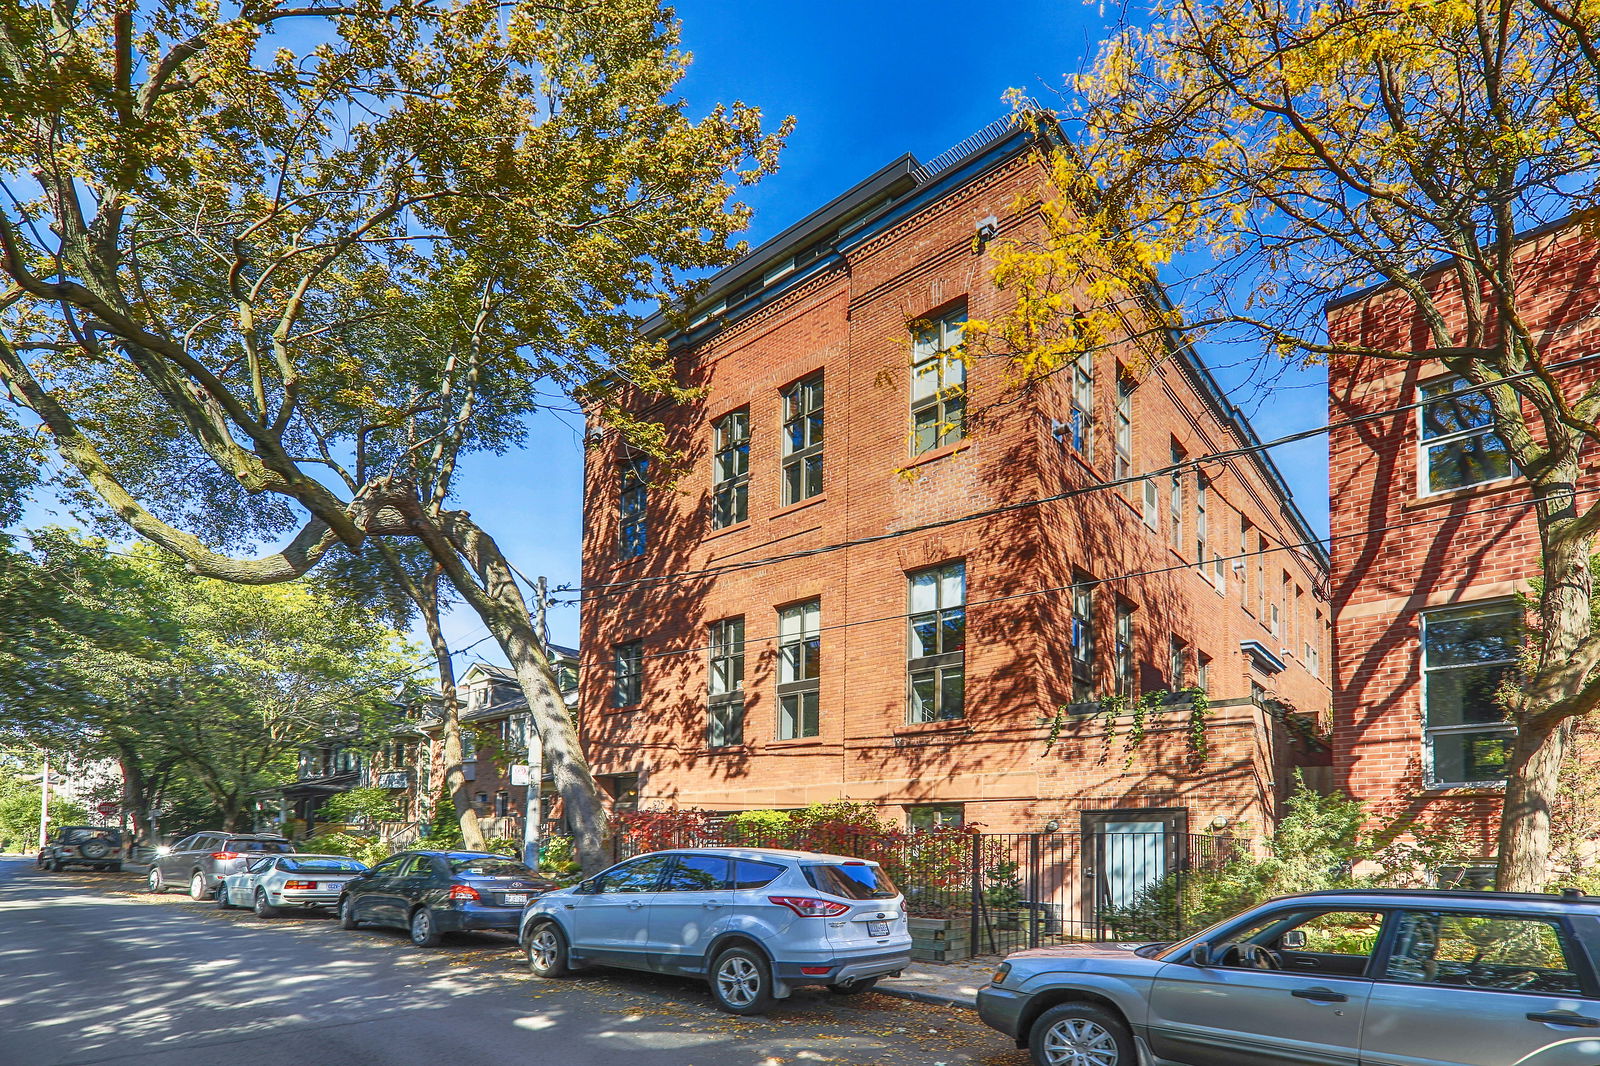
(98, 847)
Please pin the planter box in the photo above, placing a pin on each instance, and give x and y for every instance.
(940, 939)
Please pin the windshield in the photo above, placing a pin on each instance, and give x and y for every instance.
(852, 880)
(489, 866)
(321, 864)
(276, 846)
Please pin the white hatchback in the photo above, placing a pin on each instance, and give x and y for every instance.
(276, 882)
(753, 922)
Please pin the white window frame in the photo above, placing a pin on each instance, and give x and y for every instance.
(1430, 778)
(931, 348)
(1424, 443)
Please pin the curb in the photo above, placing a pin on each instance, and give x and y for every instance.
(938, 999)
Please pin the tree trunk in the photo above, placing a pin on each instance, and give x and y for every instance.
(1531, 787)
(134, 798)
(455, 776)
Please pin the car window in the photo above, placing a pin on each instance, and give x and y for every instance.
(73, 836)
(390, 865)
(258, 866)
(747, 873)
(697, 873)
(489, 866)
(637, 875)
(420, 866)
(1484, 950)
(198, 842)
(852, 880)
(1338, 943)
(277, 846)
(320, 864)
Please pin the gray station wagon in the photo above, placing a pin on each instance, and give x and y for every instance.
(1356, 978)
(199, 862)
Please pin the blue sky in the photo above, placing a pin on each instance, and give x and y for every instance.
(866, 82)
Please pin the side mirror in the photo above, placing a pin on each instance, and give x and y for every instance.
(1200, 954)
(589, 887)
(163, 850)
(1293, 940)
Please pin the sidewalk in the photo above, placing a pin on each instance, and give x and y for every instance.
(957, 983)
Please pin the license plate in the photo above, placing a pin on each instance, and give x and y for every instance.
(516, 898)
(877, 928)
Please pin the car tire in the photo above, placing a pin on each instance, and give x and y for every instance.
(55, 866)
(741, 981)
(94, 849)
(854, 988)
(222, 898)
(547, 951)
(1080, 1033)
(347, 913)
(263, 908)
(197, 886)
(424, 929)
(154, 881)
(115, 867)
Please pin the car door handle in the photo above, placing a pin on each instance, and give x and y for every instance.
(1556, 1017)
(1322, 995)
(713, 903)
(635, 904)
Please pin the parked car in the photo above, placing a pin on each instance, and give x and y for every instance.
(431, 893)
(275, 883)
(200, 861)
(1379, 978)
(95, 846)
(753, 922)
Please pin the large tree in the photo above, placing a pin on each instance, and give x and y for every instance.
(205, 206)
(1264, 156)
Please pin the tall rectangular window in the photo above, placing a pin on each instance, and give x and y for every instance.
(627, 673)
(936, 656)
(1122, 464)
(1175, 499)
(730, 472)
(799, 669)
(1082, 423)
(1242, 567)
(1459, 446)
(1177, 652)
(1202, 499)
(1123, 659)
(1082, 637)
(1202, 671)
(802, 440)
(633, 527)
(725, 722)
(1261, 577)
(1467, 652)
(1152, 503)
(938, 384)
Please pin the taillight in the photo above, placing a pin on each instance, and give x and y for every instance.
(464, 892)
(227, 854)
(807, 907)
(299, 884)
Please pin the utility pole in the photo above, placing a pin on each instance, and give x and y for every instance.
(530, 821)
(44, 802)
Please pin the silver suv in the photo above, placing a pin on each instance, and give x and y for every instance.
(1375, 978)
(753, 922)
(200, 861)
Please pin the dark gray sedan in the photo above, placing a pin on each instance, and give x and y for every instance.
(431, 893)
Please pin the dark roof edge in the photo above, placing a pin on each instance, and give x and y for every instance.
(1542, 230)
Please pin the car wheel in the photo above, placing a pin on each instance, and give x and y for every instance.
(547, 951)
(263, 908)
(741, 981)
(197, 886)
(222, 898)
(424, 930)
(1080, 1034)
(154, 881)
(115, 867)
(853, 988)
(347, 913)
(55, 866)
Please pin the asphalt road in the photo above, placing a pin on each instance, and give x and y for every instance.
(95, 970)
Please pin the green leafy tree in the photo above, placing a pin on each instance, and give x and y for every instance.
(205, 227)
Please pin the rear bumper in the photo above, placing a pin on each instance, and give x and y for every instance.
(307, 899)
(459, 919)
(1001, 1008)
(842, 970)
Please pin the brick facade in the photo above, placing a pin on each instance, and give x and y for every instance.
(846, 316)
(1400, 551)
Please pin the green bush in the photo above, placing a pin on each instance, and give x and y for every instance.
(556, 855)
(363, 805)
(366, 849)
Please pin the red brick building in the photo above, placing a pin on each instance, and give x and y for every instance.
(799, 615)
(1433, 537)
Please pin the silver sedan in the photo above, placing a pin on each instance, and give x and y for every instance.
(275, 883)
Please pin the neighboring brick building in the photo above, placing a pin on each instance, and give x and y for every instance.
(780, 683)
(1433, 533)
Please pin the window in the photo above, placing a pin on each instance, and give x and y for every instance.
(1122, 464)
(1458, 444)
(1202, 497)
(626, 673)
(751, 873)
(941, 816)
(938, 384)
(730, 468)
(636, 875)
(1202, 672)
(632, 475)
(1152, 503)
(1242, 565)
(1329, 943)
(1261, 577)
(624, 791)
(936, 658)
(1123, 662)
(725, 723)
(502, 804)
(1485, 951)
(1082, 637)
(1177, 651)
(1082, 422)
(799, 668)
(802, 440)
(1175, 499)
(698, 873)
(1467, 652)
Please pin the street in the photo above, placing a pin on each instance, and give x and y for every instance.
(99, 971)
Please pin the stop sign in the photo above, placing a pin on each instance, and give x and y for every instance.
(107, 809)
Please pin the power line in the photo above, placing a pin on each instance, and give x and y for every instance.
(1100, 486)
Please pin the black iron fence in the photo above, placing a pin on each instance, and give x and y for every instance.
(980, 893)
